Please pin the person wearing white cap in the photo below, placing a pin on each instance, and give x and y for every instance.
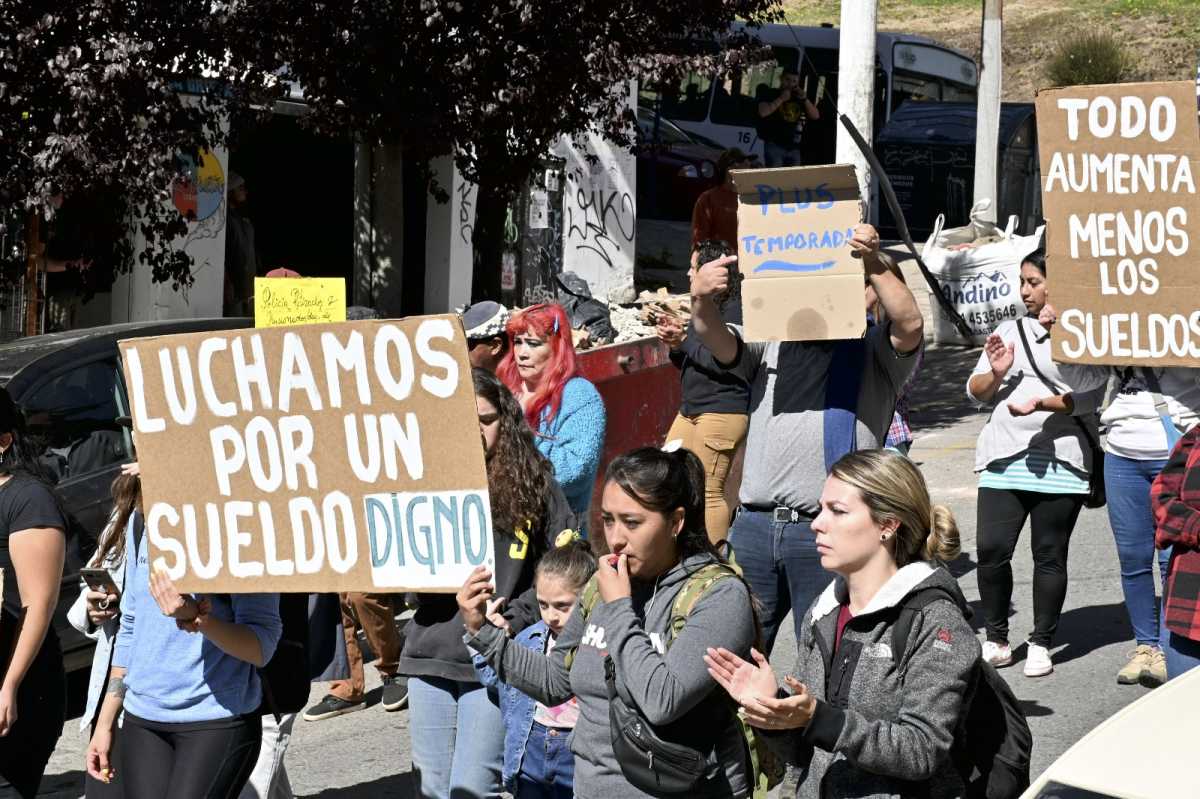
(487, 341)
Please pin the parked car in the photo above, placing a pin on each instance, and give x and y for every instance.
(71, 391)
(673, 168)
(1143, 751)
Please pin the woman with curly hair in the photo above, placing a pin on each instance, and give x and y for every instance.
(563, 408)
(457, 731)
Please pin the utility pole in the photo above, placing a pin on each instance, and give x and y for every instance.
(987, 115)
(856, 84)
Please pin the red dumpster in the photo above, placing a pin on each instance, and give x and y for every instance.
(640, 387)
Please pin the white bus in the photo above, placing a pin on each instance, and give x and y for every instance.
(724, 109)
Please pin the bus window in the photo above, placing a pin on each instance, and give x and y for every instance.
(737, 96)
(688, 101)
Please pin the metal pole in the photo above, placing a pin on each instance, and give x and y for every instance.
(987, 117)
(856, 85)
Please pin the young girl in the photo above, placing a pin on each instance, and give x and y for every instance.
(537, 741)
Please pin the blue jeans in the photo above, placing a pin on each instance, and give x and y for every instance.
(778, 155)
(548, 768)
(1127, 484)
(1183, 654)
(457, 739)
(780, 563)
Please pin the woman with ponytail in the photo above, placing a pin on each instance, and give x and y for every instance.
(863, 714)
(653, 512)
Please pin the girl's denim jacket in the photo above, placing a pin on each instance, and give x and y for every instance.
(516, 708)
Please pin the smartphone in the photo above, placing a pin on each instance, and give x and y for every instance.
(99, 580)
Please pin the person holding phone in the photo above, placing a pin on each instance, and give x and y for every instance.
(32, 551)
(96, 612)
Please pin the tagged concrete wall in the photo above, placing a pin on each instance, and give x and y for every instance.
(600, 213)
(599, 221)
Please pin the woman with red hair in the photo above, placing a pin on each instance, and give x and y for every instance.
(564, 409)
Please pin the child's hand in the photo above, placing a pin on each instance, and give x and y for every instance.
(493, 615)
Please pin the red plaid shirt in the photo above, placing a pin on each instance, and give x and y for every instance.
(1175, 497)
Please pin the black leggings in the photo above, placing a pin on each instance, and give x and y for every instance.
(200, 760)
(1001, 515)
(41, 711)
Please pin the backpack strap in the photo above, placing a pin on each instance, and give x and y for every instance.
(697, 585)
(914, 604)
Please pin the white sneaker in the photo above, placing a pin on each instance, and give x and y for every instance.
(999, 655)
(1037, 661)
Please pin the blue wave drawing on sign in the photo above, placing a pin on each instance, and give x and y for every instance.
(788, 266)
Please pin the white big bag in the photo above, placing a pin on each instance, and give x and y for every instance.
(982, 282)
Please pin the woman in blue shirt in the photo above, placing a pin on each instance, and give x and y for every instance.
(564, 409)
(184, 671)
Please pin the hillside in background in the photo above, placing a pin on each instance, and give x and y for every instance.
(1162, 37)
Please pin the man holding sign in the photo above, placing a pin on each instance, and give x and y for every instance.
(811, 402)
(1120, 167)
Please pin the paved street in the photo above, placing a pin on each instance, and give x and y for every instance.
(366, 754)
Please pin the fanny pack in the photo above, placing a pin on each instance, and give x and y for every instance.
(647, 761)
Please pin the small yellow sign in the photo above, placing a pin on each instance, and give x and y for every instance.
(282, 301)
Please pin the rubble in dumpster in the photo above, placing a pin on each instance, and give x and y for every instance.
(636, 320)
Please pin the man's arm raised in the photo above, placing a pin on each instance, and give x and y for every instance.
(707, 282)
(907, 326)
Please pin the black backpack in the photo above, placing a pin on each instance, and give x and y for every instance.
(992, 747)
(285, 682)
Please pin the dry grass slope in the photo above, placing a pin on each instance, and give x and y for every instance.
(1162, 36)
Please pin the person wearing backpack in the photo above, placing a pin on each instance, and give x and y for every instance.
(1033, 463)
(865, 715)
(184, 673)
(631, 650)
(1145, 418)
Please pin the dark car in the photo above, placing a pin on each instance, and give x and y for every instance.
(673, 168)
(71, 390)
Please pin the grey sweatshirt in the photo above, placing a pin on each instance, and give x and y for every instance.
(673, 691)
(884, 729)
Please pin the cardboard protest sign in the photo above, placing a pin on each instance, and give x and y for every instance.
(801, 282)
(298, 300)
(1119, 166)
(343, 457)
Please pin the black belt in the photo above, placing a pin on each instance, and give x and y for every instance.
(781, 513)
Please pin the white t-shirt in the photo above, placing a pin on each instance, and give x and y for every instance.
(1135, 430)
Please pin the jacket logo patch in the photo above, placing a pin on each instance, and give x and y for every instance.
(593, 636)
(657, 642)
(879, 650)
(942, 641)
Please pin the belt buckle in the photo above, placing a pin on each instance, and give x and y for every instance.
(785, 515)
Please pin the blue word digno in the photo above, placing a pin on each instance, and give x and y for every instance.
(789, 201)
(812, 240)
(442, 529)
